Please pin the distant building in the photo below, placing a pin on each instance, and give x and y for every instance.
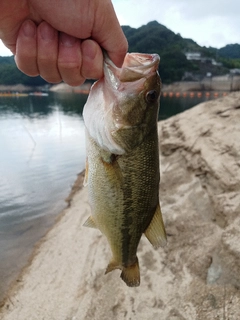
(197, 56)
(193, 55)
(215, 63)
(234, 71)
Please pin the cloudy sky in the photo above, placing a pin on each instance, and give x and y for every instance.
(208, 22)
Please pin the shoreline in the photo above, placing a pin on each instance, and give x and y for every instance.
(215, 84)
(16, 283)
(59, 88)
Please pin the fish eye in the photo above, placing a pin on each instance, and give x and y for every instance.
(151, 96)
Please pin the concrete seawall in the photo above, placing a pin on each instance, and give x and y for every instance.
(220, 83)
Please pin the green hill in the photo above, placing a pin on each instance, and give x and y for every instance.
(153, 38)
(230, 51)
(10, 75)
(230, 55)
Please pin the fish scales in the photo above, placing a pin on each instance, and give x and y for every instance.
(122, 170)
(138, 194)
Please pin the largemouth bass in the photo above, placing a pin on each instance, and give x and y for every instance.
(122, 168)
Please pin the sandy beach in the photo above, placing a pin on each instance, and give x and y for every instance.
(196, 276)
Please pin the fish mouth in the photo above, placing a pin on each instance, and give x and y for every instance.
(135, 67)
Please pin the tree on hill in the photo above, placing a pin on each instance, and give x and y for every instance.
(156, 38)
(7, 60)
(10, 75)
(231, 51)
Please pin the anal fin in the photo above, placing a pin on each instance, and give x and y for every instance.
(90, 223)
(155, 232)
(112, 266)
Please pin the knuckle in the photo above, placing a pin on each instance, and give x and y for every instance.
(46, 60)
(68, 65)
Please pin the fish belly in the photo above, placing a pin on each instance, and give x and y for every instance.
(123, 193)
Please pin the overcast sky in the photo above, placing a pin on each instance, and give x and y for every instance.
(208, 22)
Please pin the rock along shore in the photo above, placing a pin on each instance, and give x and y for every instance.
(196, 276)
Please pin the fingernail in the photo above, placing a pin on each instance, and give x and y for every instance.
(29, 29)
(46, 31)
(66, 40)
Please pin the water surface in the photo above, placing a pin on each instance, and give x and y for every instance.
(42, 149)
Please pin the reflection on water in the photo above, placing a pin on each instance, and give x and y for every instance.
(171, 105)
(72, 103)
(42, 149)
(39, 106)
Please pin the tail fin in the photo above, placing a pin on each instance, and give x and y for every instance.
(131, 275)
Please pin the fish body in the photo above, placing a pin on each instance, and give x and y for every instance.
(122, 169)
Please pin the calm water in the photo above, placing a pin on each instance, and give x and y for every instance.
(42, 149)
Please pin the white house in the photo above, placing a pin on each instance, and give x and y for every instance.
(193, 55)
(235, 71)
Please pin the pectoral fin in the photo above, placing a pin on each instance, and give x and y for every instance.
(112, 167)
(85, 182)
(90, 223)
(155, 232)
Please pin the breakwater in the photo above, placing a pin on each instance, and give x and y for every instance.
(226, 83)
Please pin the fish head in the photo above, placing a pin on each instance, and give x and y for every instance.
(127, 100)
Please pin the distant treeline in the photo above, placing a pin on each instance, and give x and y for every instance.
(10, 75)
(151, 38)
(230, 56)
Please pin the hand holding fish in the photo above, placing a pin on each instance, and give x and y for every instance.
(62, 40)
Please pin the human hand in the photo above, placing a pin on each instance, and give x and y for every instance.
(62, 40)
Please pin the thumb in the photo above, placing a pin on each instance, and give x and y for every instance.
(108, 33)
